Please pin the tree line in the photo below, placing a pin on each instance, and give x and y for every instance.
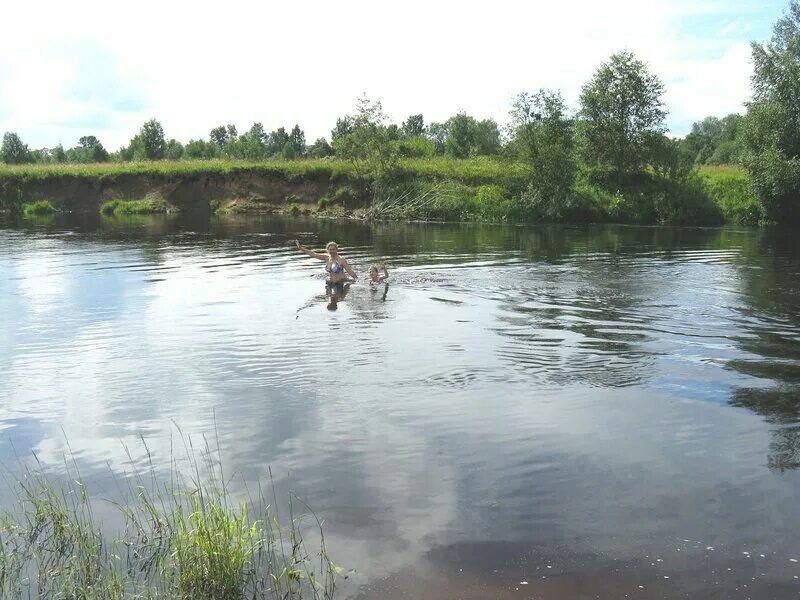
(615, 140)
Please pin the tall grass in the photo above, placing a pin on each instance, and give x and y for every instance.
(184, 538)
(730, 188)
(132, 207)
(40, 208)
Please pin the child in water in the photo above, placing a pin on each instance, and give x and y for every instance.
(374, 274)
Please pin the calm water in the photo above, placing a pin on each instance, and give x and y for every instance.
(593, 411)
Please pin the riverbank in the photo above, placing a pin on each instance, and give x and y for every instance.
(477, 189)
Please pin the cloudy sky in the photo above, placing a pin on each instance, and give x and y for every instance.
(103, 68)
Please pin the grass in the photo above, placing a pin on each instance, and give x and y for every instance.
(729, 187)
(469, 180)
(40, 208)
(132, 207)
(186, 537)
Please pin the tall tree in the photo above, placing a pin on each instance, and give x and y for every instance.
(298, 141)
(413, 126)
(149, 143)
(772, 126)
(543, 137)
(621, 111)
(13, 151)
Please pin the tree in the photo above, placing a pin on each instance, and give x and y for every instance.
(13, 151)
(174, 150)
(344, 125)
(89, 150)
(277, 140)
(201, 149)
(543, 137)
(771, 130)
(621, 110)
(288, 151)
(487, 138)
(219, 136)
(461, 138)
(320, 149)
(437, 133)
(413, 126)
(149, 143)
(251, 145)
(298, 141)
(58, 154)
(369, 144)
(714, 141)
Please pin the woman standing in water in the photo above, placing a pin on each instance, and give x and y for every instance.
(336, 266)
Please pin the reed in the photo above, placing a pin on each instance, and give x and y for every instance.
(177, 537)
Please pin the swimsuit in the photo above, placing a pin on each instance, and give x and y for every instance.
(334, 268)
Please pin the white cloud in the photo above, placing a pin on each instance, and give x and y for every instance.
(306, 62)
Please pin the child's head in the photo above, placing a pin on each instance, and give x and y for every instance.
(373, 273)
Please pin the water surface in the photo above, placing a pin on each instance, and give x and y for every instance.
(594, 411)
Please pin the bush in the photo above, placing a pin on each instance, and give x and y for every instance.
(132, 207)
(417, 147)
(323, 203)
(39, 208)
(730, 188)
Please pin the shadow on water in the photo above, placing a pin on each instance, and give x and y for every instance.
(770, 272)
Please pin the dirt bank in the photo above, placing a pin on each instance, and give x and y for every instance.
(244, 190)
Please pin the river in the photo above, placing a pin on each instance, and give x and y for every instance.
(548, 412)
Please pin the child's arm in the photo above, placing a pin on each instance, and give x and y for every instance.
(385, 275)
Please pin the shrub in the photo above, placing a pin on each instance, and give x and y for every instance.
(323, 203)
(132, 207)
(39, 208)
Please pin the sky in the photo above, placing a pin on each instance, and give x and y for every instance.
(101, 68)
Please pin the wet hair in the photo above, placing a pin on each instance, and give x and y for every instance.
(329, 244)
(374, 268)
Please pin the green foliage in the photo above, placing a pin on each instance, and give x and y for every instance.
(132, 207)
(288, 151)
(730, 189)
(323, 203)
(182, 537)
(413, 126)
(465, 136)
(13, 151)
(714, 141)
(416, 147)
(367, 143)
(298, 141)
(320, 149)
(621, 110)
(543, 138)
(148, 144)
(772, 126)
(276, 142)
(201, 149)
(174, 150)
(40, 208)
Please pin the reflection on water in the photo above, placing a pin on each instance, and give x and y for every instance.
(583, 398)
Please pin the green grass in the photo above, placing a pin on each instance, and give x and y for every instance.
(471, 170)
(40, 208)
(181, 536)
(132, 207)
(729, 187)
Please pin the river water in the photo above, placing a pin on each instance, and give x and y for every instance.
(523, 412)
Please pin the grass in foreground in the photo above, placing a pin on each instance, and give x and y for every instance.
(181, 540)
